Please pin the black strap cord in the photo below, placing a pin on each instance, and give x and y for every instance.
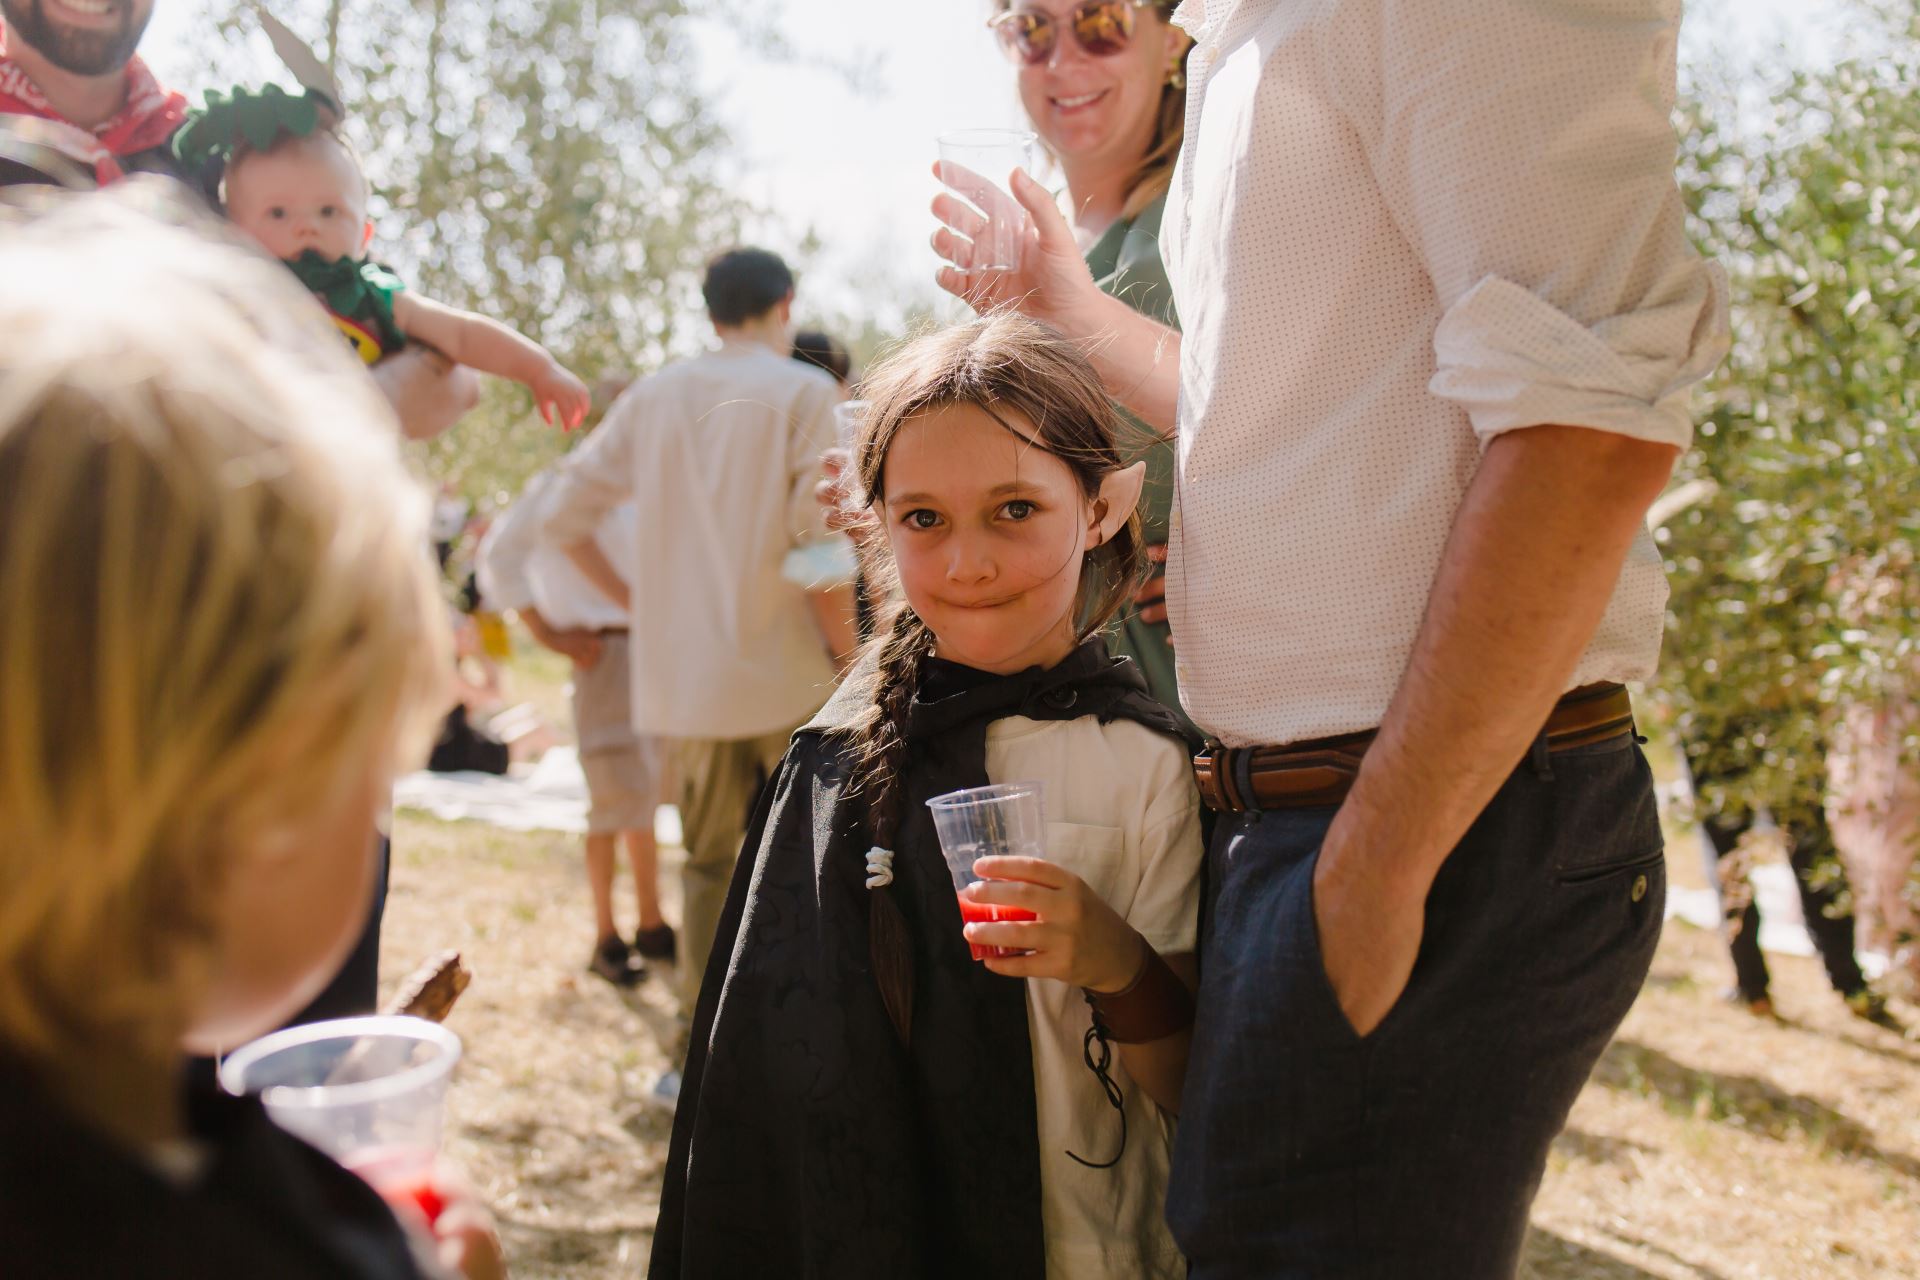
(1099, 1060)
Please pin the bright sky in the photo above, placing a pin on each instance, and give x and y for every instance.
(851, 162)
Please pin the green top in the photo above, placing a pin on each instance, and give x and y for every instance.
(1125, 262)
(360, 295)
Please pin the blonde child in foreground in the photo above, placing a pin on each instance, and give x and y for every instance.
(304, 198)
(219, 638)
(886, 1104)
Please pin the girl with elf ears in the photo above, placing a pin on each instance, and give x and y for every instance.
(290, 181)
(862, 1098)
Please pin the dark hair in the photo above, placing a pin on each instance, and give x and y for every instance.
(999, 362)
(823, 351)
(742, 284)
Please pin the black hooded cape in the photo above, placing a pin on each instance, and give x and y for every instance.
(808, 1141)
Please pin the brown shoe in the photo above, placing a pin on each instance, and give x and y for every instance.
(1872, 1006)
(657, 943)
(615, 961)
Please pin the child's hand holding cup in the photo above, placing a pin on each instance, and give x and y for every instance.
(371, 1093)
(1023, 916)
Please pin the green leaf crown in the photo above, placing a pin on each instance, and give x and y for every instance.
(252, 118)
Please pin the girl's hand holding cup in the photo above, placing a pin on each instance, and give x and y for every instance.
(1075, 936)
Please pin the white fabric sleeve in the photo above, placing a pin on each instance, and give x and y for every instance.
(1166, 909)
(812, 434)
(595, 478)
(507, 551)
(1526, 149)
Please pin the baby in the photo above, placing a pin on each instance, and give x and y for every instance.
(303, 197)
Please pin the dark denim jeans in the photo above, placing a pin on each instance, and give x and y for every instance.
(1307, 1152)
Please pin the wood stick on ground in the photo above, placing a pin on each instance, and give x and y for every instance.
(430, 990)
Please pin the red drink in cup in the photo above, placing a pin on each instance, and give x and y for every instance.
(402, 1176)
(980, 913)
(370, 1092)
(983, 822)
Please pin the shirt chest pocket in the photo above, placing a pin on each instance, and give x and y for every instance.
(1097, 855)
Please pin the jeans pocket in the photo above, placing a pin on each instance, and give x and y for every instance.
(1604, 820)
(1590, 872)
(1314, 957)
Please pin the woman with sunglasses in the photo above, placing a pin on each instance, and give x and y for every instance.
(1104, 84)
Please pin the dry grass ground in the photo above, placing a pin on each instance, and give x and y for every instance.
(1708, 1146)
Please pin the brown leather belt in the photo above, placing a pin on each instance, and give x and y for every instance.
(1320, 772)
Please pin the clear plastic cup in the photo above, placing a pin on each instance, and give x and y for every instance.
(370, 1092)
(1007, 820)
(847, 417)
(989, 157)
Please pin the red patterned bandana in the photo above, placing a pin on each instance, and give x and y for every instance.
(148, 120)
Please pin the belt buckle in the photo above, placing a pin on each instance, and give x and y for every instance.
(1228, 764)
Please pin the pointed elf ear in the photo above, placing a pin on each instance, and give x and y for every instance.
(1119, 495)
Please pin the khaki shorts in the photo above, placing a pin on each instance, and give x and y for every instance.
(625, 773)
(623, 788)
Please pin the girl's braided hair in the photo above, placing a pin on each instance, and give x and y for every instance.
(1001, 362)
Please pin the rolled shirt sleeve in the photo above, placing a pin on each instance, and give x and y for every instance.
(813, 435)
(1528, 156)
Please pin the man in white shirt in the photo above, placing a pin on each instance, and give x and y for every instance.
(624, 772)
(1440, 321)
(719, 454)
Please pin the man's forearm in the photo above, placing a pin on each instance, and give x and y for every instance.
(599, 570)
(1137, 359)
(1534, 556)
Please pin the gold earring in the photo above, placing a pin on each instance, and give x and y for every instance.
(1177, 78)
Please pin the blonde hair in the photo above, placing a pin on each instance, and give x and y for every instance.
(216, 608)
(999, 362)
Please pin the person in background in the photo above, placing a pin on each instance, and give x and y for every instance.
(1103, 83)
(569, 615)
(289, 181)
(836, 591)
(719, 456)
(1439, 319)
(80, 72)
(1719, 770)
(210, 685)
(826, 353)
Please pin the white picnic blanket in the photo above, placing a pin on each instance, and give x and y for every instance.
(549, 795)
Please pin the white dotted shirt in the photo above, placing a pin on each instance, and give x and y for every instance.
(1398, 229)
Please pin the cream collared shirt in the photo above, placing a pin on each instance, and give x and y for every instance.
(1397, 230)
(1122, 814)
(719, 454)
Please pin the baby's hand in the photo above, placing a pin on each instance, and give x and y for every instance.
(1076, 937)
(561, 397)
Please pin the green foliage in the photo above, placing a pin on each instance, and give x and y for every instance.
(1793, 581)
(549, 163)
